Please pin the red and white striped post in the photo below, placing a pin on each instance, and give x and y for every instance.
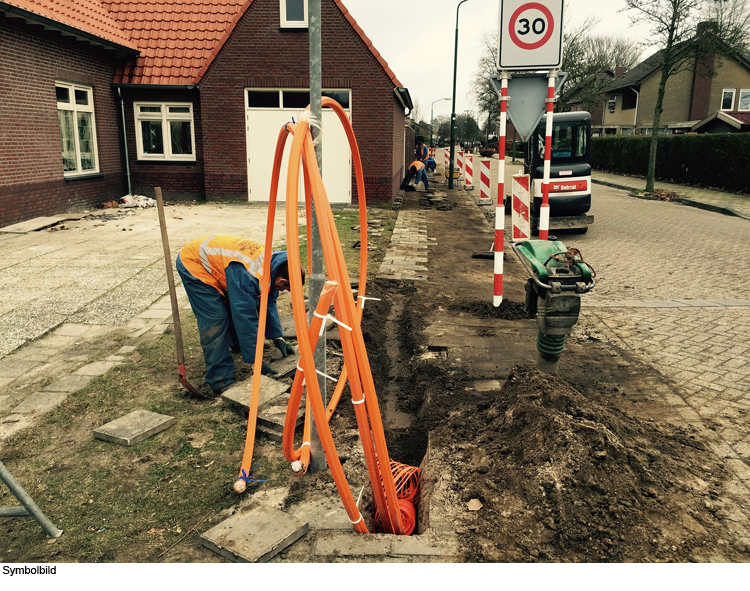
(460, 161)
(446, 158)
(500, 207)
(484, 180)
(468, 172)
(431, 152)
(544, 210)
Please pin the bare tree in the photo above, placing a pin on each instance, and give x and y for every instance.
(732, 18)
(674, 27)
(481, 88)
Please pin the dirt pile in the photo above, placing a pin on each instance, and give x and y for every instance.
(567, 477)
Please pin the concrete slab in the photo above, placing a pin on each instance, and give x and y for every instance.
(97, 368)
(36, 224)
(72, 330)
(287, 325)
(255, 535)
(71, 383)
(134, 427)
(271, 406)
(40, 402)
(322, 513)
(285, 365)
(14, 368)
(126, 349)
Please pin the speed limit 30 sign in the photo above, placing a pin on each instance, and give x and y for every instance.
(530, 34)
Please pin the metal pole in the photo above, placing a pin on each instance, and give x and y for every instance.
(500, 207)
(28, 503)
(453, 114)
(317, 276)
(544, 210)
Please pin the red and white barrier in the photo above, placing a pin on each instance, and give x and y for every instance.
(500, 206)
(521, 207)
(431, 152)
(446, 158)
(469, 172)
(544, 210)
(460, 161)
(484, 180)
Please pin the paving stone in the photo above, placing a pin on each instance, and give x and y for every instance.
(115, 359)
(72, 330)
(14, 368)
(97, 368)
(159, 314)
(134, 427)
(255, 535)
(124, 350)
(239, 393)
(352, 544)
(71, 383)
(286, 365)
(40, 402)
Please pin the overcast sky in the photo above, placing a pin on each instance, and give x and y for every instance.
(416, 38)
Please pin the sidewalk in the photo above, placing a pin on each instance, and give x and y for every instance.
(710, 199)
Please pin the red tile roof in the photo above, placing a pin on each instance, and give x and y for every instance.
(88, 16)
(741, 116)
(178, 39)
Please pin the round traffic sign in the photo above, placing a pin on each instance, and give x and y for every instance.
(531, 25)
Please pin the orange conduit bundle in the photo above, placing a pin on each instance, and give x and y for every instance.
(406, 479)
(348, 313)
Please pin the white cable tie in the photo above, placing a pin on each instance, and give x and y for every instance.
(363, 298)
(311, 119)
(358, 520)
(359, 401)
(325, 375)
(300, 369)
(332, 319)
(359, 498)
(304, 443)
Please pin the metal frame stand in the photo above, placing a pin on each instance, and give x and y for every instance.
(28, 506)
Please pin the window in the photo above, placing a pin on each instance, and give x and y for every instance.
(75, 109)
(293, 13)
(611, 104)
(568, 141)
(164, 131)
(744, 104)
(290, 99)
(727, 99)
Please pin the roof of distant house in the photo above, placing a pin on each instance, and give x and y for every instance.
(177, 40)
(737, 119)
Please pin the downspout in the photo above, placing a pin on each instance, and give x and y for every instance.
(635, 117)
(125, 140)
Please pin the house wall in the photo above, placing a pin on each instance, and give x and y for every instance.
(729, 74)
(676, 106)
(31, 171)
(260, 54)
(620, 116)
(177, 180)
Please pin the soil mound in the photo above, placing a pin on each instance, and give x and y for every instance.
(566, 477)
(507, 310)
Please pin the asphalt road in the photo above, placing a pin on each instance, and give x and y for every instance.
(673, 287)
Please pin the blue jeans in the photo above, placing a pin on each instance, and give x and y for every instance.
(219, 317)
(422, 176)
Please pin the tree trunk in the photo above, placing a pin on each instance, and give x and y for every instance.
(665, 70)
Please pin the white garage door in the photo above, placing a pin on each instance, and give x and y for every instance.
(267, 110)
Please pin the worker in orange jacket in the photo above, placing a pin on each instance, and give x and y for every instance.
(416, 169)
(221, 275)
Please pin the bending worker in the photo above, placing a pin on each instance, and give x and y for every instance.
(416, 169)
(221, 275)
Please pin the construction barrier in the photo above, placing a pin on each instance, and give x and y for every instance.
(497, 298)
(446, 158)
(348, 313)
(521, 207)
(469, 172)
(431, 152)
(484, 180)
(460, 161)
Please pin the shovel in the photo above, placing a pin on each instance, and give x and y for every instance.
(173, 298)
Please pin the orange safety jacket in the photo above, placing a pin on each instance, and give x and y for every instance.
(207, 258)
(419, 165)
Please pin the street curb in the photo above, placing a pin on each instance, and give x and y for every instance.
(683, 200)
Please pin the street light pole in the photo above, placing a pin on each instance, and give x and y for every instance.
(432, 107)
(453, 114)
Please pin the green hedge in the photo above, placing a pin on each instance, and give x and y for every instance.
(716, 160)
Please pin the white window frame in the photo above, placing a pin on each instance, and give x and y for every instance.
(723, 92)
(281, 92)
(287, 24)
(76, 109)
(165, 117)
(745, 92)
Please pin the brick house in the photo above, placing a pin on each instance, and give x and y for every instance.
(188, 96)
(691, 95)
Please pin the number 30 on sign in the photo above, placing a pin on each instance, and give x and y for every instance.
(530, 34)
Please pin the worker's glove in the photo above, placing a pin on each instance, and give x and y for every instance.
(285, 348)
(266, 370)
